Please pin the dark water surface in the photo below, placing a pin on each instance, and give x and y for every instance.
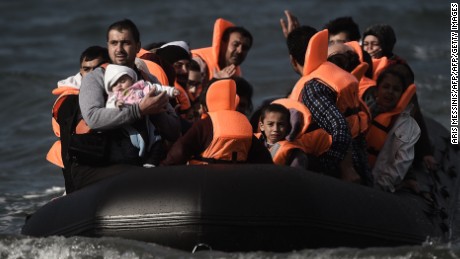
(41, 42)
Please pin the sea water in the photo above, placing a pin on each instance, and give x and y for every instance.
(41, 42)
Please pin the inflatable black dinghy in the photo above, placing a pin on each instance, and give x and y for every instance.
(256, 207)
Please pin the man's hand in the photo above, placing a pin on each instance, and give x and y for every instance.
(347, 171)
(292, 23)
(226, 72)
(152, 104)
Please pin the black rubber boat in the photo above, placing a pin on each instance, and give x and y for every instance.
(256, 207)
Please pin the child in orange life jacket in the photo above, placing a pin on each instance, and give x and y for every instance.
(122, 89)
(275, 126)
(392, 106)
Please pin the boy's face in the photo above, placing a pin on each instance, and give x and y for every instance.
(123, 83)
(388, 92)
(274, 127)
(193, 82)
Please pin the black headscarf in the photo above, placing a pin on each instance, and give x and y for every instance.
(172, 53)
(386, 36)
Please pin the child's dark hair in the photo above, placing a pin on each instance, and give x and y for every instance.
(274, 107)
(344, 24)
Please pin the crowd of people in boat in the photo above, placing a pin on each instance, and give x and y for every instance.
(353, 114)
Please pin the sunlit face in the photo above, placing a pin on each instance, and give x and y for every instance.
(182, 68)
(89, 65)
(122, 47)
(274, 126)
(388, 92)
(236, 49)
(123, 83)
(371, 45)
(340, 37)
(194, 82)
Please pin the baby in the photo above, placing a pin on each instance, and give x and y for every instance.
(121, 85)
(123, 89)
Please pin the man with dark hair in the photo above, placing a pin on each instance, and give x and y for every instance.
(66, 107)
(229, 49)
(297, 42)
(92, 58)
(177, 55)
(329, 94)
(233, 39)
(123, 44)
(342, 29)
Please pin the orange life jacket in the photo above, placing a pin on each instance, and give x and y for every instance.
(153, 68)
(210, 55)
(364, 82)
(378, 65)
(364, 85)
(282, 151)
(54, 155)
(382, 123)
(232, 132)
(311, 141)
(344, 84)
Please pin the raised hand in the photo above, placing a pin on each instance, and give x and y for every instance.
(292, 23)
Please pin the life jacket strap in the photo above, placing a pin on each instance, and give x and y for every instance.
(380, 126)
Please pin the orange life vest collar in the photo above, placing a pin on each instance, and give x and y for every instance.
(281, 152)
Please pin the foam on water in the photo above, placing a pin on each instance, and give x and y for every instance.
(80, 247)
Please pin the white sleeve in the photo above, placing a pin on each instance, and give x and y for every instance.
(397, 154)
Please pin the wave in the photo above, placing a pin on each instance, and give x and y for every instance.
(12, 246)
